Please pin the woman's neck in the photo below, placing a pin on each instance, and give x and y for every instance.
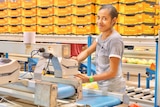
(106, 34)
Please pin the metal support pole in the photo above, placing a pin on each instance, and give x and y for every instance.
(148, 83)
(89, 57)
(128, 75)
(139, 80)
(157, 75)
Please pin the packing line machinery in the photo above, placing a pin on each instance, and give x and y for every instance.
(59, 90)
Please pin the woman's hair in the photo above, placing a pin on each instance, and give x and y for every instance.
(113, 11)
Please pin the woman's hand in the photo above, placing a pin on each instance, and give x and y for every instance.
(74, 57)
(83, 77)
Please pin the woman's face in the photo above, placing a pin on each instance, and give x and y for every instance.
(104, 20)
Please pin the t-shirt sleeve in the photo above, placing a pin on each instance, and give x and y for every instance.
(116, 48)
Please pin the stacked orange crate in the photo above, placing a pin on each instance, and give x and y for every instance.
(139, 14)
(15, 16)
(45, 18)
(29, 15)
(99, 3)
(3, 16)
(157, 19)
(13, 4)
(63, 17)
(83, 17)
(128, 23)
(148, 19)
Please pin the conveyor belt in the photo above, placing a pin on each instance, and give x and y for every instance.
(97, 100)
(91, 99)
(65, 91)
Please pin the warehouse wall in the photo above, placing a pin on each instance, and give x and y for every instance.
(78, 17)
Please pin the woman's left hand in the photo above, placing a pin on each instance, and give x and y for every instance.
(83, 77)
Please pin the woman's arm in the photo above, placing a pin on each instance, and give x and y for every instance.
(84, 54)
(114, 63)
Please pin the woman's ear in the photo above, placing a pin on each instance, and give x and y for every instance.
(114, 21)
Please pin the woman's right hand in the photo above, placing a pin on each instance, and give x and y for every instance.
(74, 57)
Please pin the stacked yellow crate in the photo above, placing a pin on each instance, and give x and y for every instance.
(45, 18)
(29, 15)
(157, 19)
(63, 17)
(15, 16)
(83, 17)
(136, 17)
(99, 3)
(3, 16)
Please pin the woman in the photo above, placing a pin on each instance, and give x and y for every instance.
(109, 50)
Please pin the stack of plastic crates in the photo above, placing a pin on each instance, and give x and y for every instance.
(63, 17)
(29, 15)
(15, 16)
(83, 17)
(45, 16)
(137, 17)
(3, 16)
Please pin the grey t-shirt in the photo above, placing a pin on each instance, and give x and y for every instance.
(110, 47)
